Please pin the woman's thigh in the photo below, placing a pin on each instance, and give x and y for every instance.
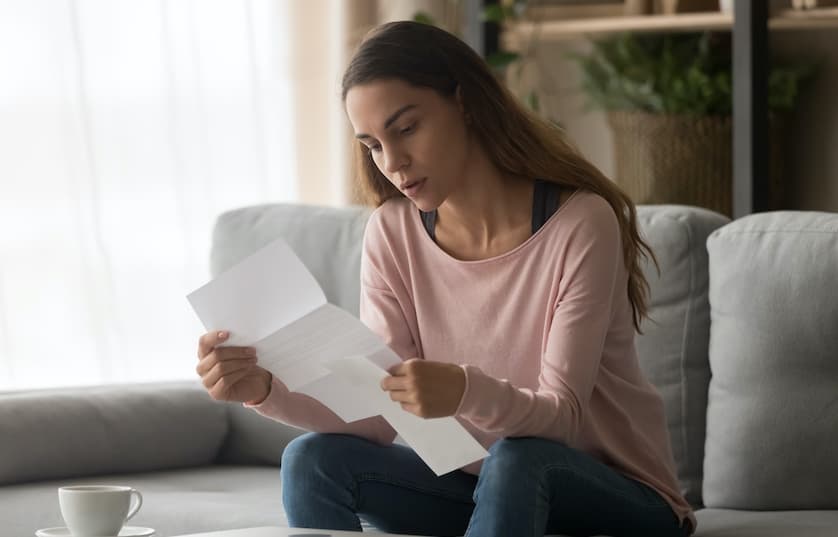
(393, 488)
(532, 486)
(588, 497)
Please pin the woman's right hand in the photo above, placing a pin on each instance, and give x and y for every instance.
(231, 373)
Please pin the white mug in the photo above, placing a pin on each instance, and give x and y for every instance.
(97, 510)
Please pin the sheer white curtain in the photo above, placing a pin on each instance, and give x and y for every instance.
(125, 129)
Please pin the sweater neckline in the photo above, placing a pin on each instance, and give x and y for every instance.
(417, 221)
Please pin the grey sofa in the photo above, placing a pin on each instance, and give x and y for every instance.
(743, 345)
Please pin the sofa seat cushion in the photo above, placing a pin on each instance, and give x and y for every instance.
(732, 523)
(772, 415)
(213, 498)
(176, 502)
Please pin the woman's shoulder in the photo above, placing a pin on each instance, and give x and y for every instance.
(394, 206)
(394, 213)
(590, 201)
(587, 212)
(390, 221)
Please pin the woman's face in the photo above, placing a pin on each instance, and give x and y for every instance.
(417, 137)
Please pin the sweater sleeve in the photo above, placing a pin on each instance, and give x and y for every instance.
(300, 410)
(571, 360)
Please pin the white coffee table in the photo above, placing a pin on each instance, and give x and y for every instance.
(285, 532)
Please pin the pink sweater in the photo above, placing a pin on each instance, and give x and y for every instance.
(543, 332)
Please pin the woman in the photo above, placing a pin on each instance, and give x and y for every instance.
(504, 270)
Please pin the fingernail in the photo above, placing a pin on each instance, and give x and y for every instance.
(222, 335)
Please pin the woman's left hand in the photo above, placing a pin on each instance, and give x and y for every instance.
(425, 388)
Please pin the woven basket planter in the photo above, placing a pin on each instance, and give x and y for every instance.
(682, 159)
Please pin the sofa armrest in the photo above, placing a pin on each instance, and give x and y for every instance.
(74, 432)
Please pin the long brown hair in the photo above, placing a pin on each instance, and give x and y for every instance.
(518, 142)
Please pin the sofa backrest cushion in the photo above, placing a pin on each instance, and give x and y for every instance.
(673, 347)
(772, 418)
(74, 432)
(327, 240)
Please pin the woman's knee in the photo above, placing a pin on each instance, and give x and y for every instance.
(308, 452)
(516, 462)
(518, 454)
(317, 479)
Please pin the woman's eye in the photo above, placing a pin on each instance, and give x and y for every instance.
(408, 129)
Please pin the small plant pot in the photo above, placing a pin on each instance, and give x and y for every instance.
(683, 159)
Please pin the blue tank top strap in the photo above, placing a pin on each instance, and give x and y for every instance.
(429, 219)
(545, 202)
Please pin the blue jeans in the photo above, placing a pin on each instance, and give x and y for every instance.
(527, 487)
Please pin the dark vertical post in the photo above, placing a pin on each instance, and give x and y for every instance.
(750, 107)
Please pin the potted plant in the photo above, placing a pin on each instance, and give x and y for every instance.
(668, 100)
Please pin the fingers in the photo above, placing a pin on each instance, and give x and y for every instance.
(230, 371)
(402, 375)
(208, 341)
(223, 354)
(219, 389)
(404, 368)
(400, 389)
(402, 380)
(425, 388)
(395, 383)
(405, 398)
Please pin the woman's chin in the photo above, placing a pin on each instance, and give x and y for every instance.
(424, 205)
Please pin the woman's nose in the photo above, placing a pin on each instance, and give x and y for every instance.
(395, 160)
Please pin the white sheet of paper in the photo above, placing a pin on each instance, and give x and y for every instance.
(325, 334)
(332, 390)
(253, 299)
(442, 443)
(271, 301)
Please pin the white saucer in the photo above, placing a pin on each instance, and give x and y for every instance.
(126, 531)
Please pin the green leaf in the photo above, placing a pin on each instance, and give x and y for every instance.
(673, 73)
(498, 13)
(501, 59)
(532, 101)
(424, 18)
(493, 13)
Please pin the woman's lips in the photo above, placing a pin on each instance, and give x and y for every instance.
(412, 189)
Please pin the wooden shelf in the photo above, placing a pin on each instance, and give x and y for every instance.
(555, 30)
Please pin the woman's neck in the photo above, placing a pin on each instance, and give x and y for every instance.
(488, 211)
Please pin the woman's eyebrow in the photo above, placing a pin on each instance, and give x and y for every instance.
(390, 120)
